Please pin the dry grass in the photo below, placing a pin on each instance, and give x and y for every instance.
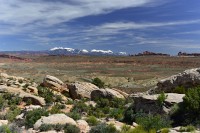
(127, 73)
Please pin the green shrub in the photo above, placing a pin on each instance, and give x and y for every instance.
(138, 129)
(11, 114)
(148, 122)
(116, 113)
(33, 116)
(80, 107)
(20, 81)
(5, 129)
(113, 103)
(56, 109)
(70, 102)
(98, 82)
(102, 102)
(29, 102)
(92, 121)
(117, 103)
(3, 102)
(188, 128)
(97, 112)
(103, 128)
(188, 112)
(46, 93)
(12, 99)
(165, 130)
(179, 90)
(192, 100)
(25, 86)
(129, 115)
(127, 129)
(47, 127)
(161, 98)
(71, 129)
(58, 98)
(74, 115)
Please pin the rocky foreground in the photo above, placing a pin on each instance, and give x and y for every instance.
(53, 106)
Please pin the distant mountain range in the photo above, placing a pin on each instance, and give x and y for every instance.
(71, 51)
(67, 51)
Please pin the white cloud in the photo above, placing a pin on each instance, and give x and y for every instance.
(132, 25)
(188, 32)
(41, 12)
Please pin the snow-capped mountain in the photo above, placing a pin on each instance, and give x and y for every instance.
(71, 51)
(61, 48)
(122, 53)
(102, 51)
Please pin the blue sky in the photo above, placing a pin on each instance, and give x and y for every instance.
(167, 26)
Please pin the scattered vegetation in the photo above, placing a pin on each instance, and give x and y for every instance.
(192, 100)
(74, 115)
(33, 116)
(98, 82)
(161, 98)
(11, 114)
(156, 122)
(56, 109)
(188, 128)
(46, 93)
(179, 90)
(71, 129)
(103, 128)
(59, 127)
(165, 130)
(92, 121)
(5, 129)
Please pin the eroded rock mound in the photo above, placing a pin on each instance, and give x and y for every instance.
(80, 90)
(54, 119)
(149, 103)
(54, 83)
(188, 78)
(17, 91)
(83, 126)
(106, 93)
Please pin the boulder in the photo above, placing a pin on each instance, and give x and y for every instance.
(32, 107)
(80, 90)
(54, 83)
(17, 91)
(121, 92)
(52, 131)
(54, 119)
(32, 90)
(3, 122)
(188, 78)
(106, 93)
(91, 103)
(118, 125)
(149, 104)
(83, 126)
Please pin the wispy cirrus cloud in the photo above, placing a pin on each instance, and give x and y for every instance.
(143, 25)
(21, 12)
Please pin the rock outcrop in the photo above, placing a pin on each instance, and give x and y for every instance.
(80, 90)
(106, 93)
(149, 103)
(32, 90)
(17, 91)
(188, 78)
(118, 125)
(3, 122)
(83, 126)
(54, 83)
(54, 119)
